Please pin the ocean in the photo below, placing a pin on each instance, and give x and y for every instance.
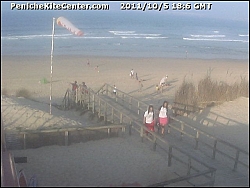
(124, 34)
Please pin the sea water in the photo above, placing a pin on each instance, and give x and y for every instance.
(124, 34)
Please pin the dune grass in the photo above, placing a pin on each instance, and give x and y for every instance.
(209, 91)
(23, 93)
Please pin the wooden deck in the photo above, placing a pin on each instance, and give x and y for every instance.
(194, 148)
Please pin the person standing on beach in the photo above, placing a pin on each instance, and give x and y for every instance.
(132, 73)
(83, 88)
(88, 63)
(148, 118)
(74, 86)
(163, 116)
(97, 68)
(140, 85)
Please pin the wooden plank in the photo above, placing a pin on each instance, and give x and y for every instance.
(184, 178)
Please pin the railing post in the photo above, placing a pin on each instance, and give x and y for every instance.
(215, 121)
(105, 113)
(65, 100)
(108, 132)
(182, 129)
(112, 115)
(121, 118)
(88, 99)
(196, 139)
(107, 92)
(130, 103)
(66, 134)
(214, 149)
(24, 141)
(123, 129)
(100, 106)
(170, 155)
(236, 160)
(138, 105)
(130, 127)
(141, 133)
(68, 101)
(76, 99)
(93, 105)
(189, 166)
(123, 98)
(116, 98)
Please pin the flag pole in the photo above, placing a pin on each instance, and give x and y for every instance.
(51, 64)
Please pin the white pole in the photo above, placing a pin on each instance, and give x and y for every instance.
(51, 63)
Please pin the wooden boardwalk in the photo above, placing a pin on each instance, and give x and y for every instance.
(230, 161)
(205, 161)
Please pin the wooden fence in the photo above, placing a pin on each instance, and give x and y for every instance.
(102, 108)
(62, 136)
(195, 134)
(181, 109)
(128, 101)
(98, 105)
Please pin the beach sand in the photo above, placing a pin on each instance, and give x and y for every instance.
(25, 72)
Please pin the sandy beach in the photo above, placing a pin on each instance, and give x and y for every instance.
(25, 72)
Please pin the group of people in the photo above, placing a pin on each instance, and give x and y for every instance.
(161, 119)
(83, 87)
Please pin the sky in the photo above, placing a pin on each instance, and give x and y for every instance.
(234, 10)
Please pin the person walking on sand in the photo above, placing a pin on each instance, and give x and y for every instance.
(163, 117)
(140, 85)
(88, 63)
(132, 73)
(136, 76)
(148, 118)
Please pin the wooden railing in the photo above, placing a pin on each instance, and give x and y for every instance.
(216, 119)
(128, 101)
(188, 178)
(102, 108)
(196, 133)
(180, 109)
(65, 130)
(98, 105)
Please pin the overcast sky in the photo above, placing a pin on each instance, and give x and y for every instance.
(237, 10)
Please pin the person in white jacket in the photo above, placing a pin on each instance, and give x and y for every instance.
(163, 82)
(148, 119)
(163, 116)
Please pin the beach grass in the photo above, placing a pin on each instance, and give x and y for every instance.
(23, 93)
(210, 90)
